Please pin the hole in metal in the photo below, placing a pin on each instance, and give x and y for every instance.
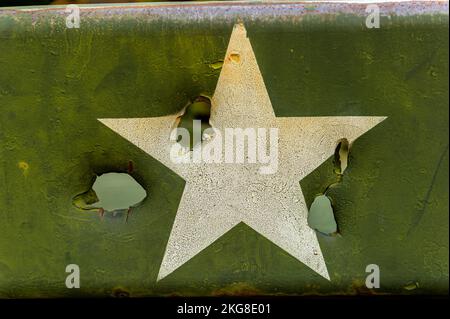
(200, 110)
(321, 216)
(113, 193)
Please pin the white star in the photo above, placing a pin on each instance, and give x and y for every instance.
(219, 196)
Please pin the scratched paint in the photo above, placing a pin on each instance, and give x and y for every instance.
(391, 206)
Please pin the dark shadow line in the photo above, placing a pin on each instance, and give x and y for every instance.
(427, 196)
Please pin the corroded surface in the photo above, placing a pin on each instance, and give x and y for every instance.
(232, 10)
(391, 205)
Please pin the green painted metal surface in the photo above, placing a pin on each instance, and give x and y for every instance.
(391, 204)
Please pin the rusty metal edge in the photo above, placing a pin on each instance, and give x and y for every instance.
(255, 9)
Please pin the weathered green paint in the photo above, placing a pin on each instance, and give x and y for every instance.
(391, 205)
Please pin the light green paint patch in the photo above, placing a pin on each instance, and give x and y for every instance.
(118, 191)
(111, 192)
(321, 216)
